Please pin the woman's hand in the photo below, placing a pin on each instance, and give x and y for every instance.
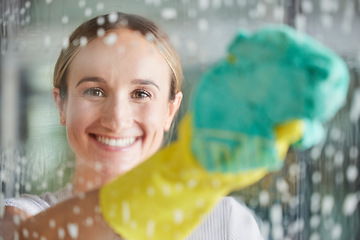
(76, 218)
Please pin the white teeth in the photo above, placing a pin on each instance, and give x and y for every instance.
(121, 142)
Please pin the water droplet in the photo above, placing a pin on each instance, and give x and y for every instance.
(203, 5)
(352, 173)
(316, 177)
(27, 4)
(169, 13)
(27, 187)
(327, 205)
(336, 231)
(47, 41)
(281, 185)
(296, 226)
(16, 220)
(25, 232)
(76, 210)
(327, 21)
(279, 13)
(216, 4)
(329, 150)
(150, 37)
(294, 170)
(100, 21)
(276, 214)
(89, 221)
(315, 236)
(98, 166)
(327, 6)
(121, 49)
(83, 41)
(113, 17)
(315, 153)
(179, 187)
(264, 198)
(82, 3)
(133, 224)
(125, 211)
(178, 216)
(100, 6)
(353, 152)
(203, 25)
(277, 232)
(192, 183)
(216, 183)
(110, 39)
(192, 13)
(81, 195)
(315, 202)
(338, 158)
(335, 134)
(150, 228)
(339, 178)
(97, 209)
(307, 6)
(150, 191)
(35, 235)
(48, 1)
(350, 204)
(88, 12)
(65, 43)
(315, 221)
(52, 223)
(101, 32)
(61, 233)
(16, 235)
(200, 203)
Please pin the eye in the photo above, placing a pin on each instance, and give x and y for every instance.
(95, 92)
(141, 94)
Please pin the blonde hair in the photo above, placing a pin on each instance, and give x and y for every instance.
(112, 21)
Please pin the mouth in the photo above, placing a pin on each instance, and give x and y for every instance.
(115, 142)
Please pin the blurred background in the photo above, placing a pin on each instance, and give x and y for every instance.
(315, 196)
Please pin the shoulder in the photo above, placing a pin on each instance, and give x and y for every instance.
(229, 220)
(31, 204)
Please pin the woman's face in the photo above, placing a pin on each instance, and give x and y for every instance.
(117, 107)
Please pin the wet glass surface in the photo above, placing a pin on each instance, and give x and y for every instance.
(316, 194)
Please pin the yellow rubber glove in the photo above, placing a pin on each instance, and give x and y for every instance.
(169, 194)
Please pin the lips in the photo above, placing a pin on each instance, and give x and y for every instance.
(115, 142)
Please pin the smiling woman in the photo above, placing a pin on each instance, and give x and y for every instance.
(117, 86)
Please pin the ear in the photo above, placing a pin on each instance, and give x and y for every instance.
(173, 108)
(61, 105)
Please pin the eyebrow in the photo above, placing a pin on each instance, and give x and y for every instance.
(90, 79)
(145, 82)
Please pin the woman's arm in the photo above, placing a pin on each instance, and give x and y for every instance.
(76, 218)
(10, 220)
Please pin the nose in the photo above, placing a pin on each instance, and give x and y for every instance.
(117, 115)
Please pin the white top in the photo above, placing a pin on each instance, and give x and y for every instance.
(229, 220)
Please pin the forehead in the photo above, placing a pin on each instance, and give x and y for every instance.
(120, 48)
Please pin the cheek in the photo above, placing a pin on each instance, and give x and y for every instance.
(154, 116)
(79, 115)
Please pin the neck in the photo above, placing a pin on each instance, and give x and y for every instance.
(88, 178)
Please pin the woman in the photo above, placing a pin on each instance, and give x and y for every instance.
(117, 87)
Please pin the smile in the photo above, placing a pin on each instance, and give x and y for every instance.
(119, 142)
